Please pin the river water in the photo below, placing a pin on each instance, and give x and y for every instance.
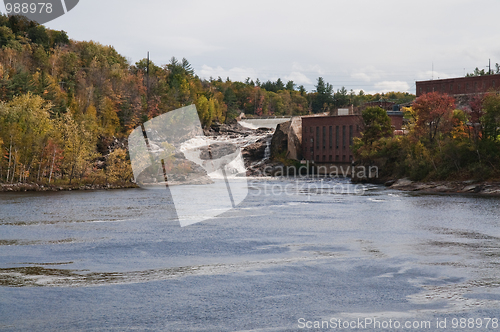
(295, 253)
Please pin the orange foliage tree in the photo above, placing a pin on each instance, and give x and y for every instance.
(433, 113)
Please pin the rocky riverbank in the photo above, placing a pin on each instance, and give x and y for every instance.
(255, 146)
(17, 187)
(470, 186)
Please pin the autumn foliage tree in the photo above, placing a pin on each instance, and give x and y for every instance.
(376, 124)
(433, 112)
(491, 116)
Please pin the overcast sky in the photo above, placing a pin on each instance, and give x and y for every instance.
(375, 46)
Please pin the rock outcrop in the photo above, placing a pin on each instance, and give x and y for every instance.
(287, 140)
(256, 152)
(470, 186)
(230, 129)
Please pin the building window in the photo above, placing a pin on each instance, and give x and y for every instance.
(350, 135)
(337, 158)
(324, 158)
(357, 128)
(317, 157)
(343, 137)
(343, 157)
(493, 83)
(317, 138)
(330, 136)
(330, 158)
(350, 158)
(324, 137)
(312, 144)
(337, 136)
(451, 87)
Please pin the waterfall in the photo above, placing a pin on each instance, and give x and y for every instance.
(267, 151)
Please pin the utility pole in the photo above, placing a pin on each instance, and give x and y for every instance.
(489, 66)
(147, 83)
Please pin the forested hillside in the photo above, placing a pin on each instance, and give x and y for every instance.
(66, 105)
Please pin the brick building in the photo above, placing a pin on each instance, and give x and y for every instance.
(460, 85)
(328, 139)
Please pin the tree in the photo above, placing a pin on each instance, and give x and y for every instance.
(231, 102)
(302, 90)
(475, 114)
(79, 145)
(118, 168)
(39, 35)
(341, 97)
(324, 100)
(279, 85)
(204, 111)
(491, 117)
(376, 124)
(25, 127)
(433, 112)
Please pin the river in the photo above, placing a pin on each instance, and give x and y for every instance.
(295, 253)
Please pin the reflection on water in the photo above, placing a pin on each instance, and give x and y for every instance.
(293, 247)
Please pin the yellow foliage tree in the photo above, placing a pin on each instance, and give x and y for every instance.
(118, 169)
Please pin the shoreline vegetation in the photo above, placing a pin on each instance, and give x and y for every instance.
(67, 108)
(22, 187)
(480, 188)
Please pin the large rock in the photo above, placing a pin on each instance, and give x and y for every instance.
(256, 151)
(232, 128)
(287, 139)
(405, 182)
(217, 151)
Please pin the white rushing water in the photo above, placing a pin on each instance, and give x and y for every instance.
(233, 164)
(262, 123)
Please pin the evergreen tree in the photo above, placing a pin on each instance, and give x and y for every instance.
(324, 100)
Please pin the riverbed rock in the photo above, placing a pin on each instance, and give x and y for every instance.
(232, 128)
(256, 151)
(468, 186)
(287, 140)
(217, 150)
(471, 188)
(401, 183)
(389, 183)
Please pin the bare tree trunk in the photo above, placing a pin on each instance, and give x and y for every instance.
(52, 166)
(20, 173)
(72, 171)
(10, 157)
(14, 169)
(40, 166)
